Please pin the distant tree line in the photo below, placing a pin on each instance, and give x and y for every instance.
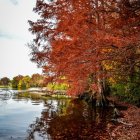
(23, 82)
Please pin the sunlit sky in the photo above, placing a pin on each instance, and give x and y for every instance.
(14, 35)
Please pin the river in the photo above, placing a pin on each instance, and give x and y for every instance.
(52, 119)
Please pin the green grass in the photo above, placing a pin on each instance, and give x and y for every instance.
(1, 86)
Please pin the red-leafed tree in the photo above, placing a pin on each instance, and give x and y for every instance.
(37, 80)
(80, 39)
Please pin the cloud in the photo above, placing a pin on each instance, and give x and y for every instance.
(14, 19)
(15, 2)
(5, 35)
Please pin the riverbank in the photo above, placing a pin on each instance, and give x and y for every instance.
(42, 95)
(127, 127)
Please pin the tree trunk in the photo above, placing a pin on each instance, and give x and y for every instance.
(97, 95)
(101, 99)
(96, 98)
(100, 95)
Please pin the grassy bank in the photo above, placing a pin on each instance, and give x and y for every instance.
(1, 86)
(38, 96)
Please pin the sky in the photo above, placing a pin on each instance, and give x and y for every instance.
(14, 35)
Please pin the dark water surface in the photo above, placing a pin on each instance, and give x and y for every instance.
(54, 119)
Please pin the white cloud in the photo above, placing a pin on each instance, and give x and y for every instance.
(15, 2)
(14, 19)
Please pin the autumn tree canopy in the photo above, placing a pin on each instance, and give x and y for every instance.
(86, 41)
(5, 81)
(37, 80)
(16, 80)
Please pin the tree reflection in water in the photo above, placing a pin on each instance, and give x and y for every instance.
(5, 94)
(67, 119)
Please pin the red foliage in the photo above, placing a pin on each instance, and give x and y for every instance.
(75, 38)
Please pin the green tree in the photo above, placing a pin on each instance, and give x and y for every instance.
(24, 83)
(16, 80)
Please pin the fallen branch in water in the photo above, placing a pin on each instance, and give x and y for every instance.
(122, 122)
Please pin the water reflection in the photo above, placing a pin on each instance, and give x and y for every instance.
(5, 94)
(52, 119)
(16, 114)
(70, 120)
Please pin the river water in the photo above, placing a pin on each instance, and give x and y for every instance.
(53, 119)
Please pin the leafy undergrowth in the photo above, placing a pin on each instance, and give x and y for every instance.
(130, 128)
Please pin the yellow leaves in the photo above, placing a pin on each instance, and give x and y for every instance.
(107, 65)
(112, 80)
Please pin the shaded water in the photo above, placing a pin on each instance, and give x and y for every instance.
(53, 119)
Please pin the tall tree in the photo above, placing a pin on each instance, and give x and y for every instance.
(78, 39)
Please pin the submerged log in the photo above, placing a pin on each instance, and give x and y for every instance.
(119, 120)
